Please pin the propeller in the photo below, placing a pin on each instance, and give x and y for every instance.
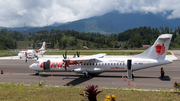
(78, 54)
(65, 56)
(65, 62)
(74, 56)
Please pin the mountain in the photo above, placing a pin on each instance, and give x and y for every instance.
(114, 22)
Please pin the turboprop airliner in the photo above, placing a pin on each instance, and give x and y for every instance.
(32, 53)
(94, 64)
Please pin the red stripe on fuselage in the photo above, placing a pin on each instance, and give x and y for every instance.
(53, 64)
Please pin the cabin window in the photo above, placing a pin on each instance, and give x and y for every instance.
(90, 64)
(84, 63)
(114, 63)
(93, 63)
(117, 63)
(105, 63)
(96, 64)
(102, 63)
(87, 63)
(123, 64)
(108, 63)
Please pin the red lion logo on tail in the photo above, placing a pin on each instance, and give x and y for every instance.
(160, 49)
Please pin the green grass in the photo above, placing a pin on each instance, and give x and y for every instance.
(8, 53)
(91, 52)
(82, 52)
(33, 92)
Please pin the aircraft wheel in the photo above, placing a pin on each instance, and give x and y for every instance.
(87, 75)
(37, 73)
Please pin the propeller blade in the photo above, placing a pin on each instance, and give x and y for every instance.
(65, 66)
(74, 56)
(65, 56)
(78, 54)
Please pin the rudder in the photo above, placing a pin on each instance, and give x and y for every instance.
(159, 49)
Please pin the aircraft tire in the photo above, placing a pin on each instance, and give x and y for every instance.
(37, 73)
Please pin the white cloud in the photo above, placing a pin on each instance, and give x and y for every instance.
(14, 13)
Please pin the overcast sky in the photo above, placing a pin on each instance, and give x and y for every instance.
(14, 13)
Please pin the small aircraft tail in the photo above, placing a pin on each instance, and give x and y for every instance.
(159, 49)
(43, 46)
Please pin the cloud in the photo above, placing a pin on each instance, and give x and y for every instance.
(14, 13)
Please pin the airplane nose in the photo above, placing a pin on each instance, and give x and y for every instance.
(31, 66)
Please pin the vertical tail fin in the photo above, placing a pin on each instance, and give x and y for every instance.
(159, 49)
(43, 46)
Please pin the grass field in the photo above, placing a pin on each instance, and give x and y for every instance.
(19, 92)
(8, 53)
(91, 52)
(82, 52)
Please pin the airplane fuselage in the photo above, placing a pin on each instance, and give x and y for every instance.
(98, 65)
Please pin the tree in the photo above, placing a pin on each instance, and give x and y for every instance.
(34, 45)
(136, 41)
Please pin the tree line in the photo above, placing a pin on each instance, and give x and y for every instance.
(132, 38)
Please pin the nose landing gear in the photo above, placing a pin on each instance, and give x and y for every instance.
(37, 73)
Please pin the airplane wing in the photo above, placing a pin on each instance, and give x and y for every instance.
(91, 57)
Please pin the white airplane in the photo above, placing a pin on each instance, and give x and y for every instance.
(32, 53)
(89, 65)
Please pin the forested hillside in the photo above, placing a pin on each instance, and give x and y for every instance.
(70, 39)
(8, 39)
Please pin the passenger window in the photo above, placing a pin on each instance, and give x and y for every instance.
(93, 63)
(105, 63)
(117, 63)
(123, 64)
(102, 63)
(84, 63)
(111, 63)
(108, 63)
(114, 63)
(87, 63)
(90, 64)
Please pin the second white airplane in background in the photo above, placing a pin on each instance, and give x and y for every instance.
(88, 65)
(32, 53)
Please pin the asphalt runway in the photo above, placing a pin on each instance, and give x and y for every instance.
(145, 78)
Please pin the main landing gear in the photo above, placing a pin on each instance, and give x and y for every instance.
(86, 74)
